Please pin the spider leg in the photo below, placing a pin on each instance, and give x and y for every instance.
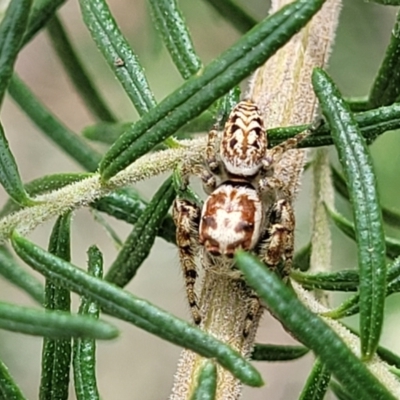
(186, 216)
(276, 247)
(255, 307)
(211, 150)
(212, 164)
(274, 155)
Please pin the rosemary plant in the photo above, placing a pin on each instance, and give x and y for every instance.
(286, 54)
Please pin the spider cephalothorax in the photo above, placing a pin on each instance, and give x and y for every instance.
(249, 209)
(243, 143)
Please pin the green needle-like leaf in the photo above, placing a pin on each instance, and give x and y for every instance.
(199, 92)
(71, 143)
(339, 392)
(140, 241)
(56, 353)
(118, 54)
(9, 390)
(351, 305)
(55, 324)
(12, 29)
(76, 71)
(234, 14)
(386, 87)
(301, 259)
(372, 123)
(391, 217)
(311, 330)
(9, 174)
(207, 382)
(357, 166)
(388, 356)
(84, 360)
(317, 382)
(388, 2)
(10, 270)
(392, 245)
(344, 281)
(274, 352)
(169, 22)
(127, 206)
(128, 307)
(42, 12)
(105, 132)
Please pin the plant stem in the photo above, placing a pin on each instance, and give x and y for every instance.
(283, 91)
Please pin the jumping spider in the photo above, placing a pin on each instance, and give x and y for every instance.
(249, 208)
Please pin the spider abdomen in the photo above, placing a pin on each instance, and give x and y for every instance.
(231, 218)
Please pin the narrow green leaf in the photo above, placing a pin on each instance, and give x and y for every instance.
(233, 14)
(171, 25)
(56, 353)
(207, 382)
(301, 259)
(385, 89)
(394, 277)
(9, 174)
(357, 104)
(105, 132)
(372, 123)
(311, 330)
(14, 273)
(71, 143)
(108, 133)
(339, 392)
(12, 29)
(199, 92)
(76, 71)
(357, 166)
(140, 241)
(388, 356)
(127, 206)
(391, 217)
(274, 352)
(56, 324)
(118, 54)
(9, 390)
(108, 228)
(42, 185)
(344, 281)
(84, 360)
(351, 305)
(392, 245)
(42, 12)
(141, 313)
(388, 2)
(317, 382)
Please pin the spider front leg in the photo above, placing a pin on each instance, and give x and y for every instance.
(186, 216)
(277, 245)
(275, 154)
(212, 165)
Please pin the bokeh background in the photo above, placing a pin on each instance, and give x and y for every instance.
(138, 365)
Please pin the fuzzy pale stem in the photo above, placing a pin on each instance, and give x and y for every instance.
(282, 89)
(82, 193)
(224, 305)
(321, 235)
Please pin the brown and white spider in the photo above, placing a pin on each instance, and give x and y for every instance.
(247, 206)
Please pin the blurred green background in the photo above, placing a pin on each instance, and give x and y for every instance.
(138, 365)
